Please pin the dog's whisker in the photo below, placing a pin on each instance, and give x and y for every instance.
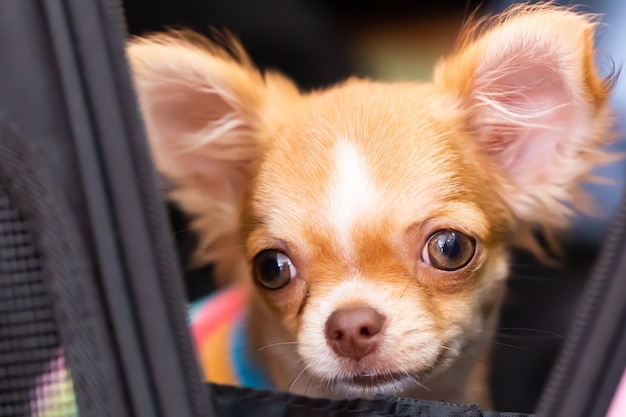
(474, 358)
(307, 386)
(419, 384)
(405, 288)
(293, 383)
(444, 347)
(532, 333)
(418, 331)
(529, 330)
(277, 344)
(270, 354)
(494, 342)
(279, 355)
(329, 381)
(528, 337)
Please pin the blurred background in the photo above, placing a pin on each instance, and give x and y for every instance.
(320, 42)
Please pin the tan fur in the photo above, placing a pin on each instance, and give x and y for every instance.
(351, 181)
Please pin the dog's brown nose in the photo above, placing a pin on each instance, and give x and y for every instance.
(353, 332)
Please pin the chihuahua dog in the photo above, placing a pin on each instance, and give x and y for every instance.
(370, 222)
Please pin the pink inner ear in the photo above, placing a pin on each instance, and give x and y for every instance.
(526, 118)
(198, 130)
(190, 115)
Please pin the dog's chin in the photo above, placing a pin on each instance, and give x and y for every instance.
(365, 384)
(370, 384)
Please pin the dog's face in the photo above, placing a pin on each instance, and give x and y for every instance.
(369, 238)
(374, 219)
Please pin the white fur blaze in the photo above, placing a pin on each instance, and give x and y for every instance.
(352, 195)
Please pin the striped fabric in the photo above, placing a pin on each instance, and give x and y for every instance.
(218, 326)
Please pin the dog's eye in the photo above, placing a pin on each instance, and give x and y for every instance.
(273, 269)
(448, 250)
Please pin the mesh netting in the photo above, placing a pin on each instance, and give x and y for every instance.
(33, 380)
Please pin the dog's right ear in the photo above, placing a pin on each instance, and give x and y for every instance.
(201, 106)
(204, 108)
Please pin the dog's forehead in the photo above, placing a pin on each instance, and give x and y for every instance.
(334, 171)
(362, 158)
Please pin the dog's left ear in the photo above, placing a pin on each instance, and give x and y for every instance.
(206, 110)
(535, 102)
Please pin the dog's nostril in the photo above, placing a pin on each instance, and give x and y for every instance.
(352, 332)
(338, 335)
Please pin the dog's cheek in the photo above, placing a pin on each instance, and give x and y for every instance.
(312, 346)
(491, 283)
(473, 316)
(287, 303)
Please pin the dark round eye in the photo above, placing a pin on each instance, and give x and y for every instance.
(448, 250)
(273, 269)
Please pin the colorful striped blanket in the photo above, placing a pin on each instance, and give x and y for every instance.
(218, 327)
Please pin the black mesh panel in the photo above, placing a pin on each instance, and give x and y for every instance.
(31, 367)
(51, 316)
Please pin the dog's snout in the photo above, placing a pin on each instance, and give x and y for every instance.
(354, 332)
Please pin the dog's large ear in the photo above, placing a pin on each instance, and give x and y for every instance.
(534, 100)
(202, 108)
(205, 108)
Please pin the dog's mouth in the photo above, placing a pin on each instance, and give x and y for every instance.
(387, 382)
(373, 379)
(367, 384)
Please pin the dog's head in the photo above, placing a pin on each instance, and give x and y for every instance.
(375, 218)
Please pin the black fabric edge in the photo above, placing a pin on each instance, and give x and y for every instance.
(100, 230)
(614, 369)
(154, 208)
(585, 359)
(238, 401)
(115, 144)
